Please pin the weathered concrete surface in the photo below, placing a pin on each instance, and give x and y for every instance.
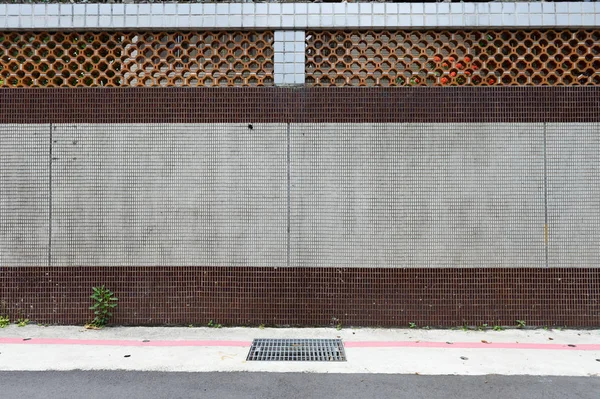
(574, 194)
(406, 195)
(24, 194)
(360, 195)
(154, 194)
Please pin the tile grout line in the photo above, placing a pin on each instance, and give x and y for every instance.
(289, 190)
(546, 232)
(50, 197)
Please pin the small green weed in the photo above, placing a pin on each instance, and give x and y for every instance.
(498, 328)
(212, 324)
(520, 323)
(22, 322)
(412, 325)
(262, 327)
(335, 322)
(104, 302)
(4, 321)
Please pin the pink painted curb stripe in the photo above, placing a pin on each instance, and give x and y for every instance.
(349, 344)
(470, 345)
(113, 342)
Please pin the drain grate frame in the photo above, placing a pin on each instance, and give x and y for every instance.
(297, 350)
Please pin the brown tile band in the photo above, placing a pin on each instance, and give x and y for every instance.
(308, 296)
(301, 105)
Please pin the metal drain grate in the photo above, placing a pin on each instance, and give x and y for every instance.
(297, 350)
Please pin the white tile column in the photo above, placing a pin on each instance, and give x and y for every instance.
(289, 57)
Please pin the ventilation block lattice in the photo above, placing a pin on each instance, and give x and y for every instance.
(442, 58)
(87, 59)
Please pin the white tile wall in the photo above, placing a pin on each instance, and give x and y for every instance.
(291, 16)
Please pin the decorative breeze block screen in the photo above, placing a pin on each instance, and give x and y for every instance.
(123, 59)
(443, 58)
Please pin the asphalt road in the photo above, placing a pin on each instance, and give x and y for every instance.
(144, 385)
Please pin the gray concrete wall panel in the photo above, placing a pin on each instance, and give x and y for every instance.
(24, 183)
(155, 194)
(573, 153)
(361, 195)
(417, 195)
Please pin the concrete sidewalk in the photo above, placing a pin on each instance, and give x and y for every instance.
(386, 351)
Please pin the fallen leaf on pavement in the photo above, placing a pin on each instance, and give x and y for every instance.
(91, 327)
